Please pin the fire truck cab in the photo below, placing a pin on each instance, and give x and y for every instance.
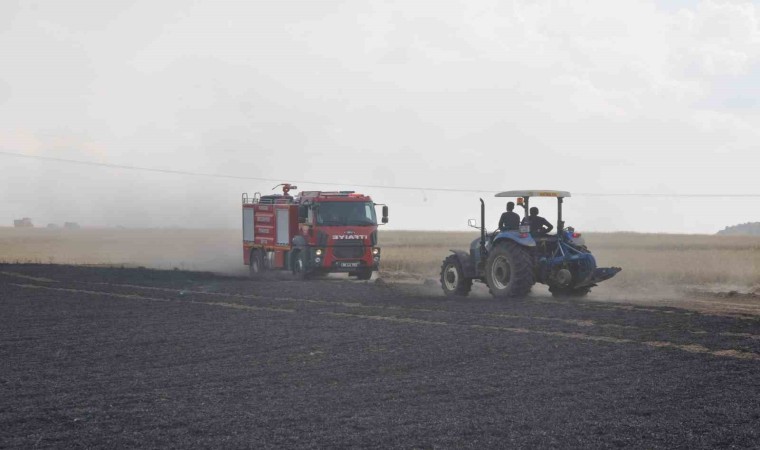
(314, 232)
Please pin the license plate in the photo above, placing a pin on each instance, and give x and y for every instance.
(348, 265)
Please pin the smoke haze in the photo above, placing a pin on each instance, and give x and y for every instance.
(592, 97)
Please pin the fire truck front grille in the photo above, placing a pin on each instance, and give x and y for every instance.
(348, 250)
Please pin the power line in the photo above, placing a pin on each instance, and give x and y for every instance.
(234, 177)
(373, 186)
(663, 195)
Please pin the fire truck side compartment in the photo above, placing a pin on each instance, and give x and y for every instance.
(283, 226)
(270, 227)
(248, 229)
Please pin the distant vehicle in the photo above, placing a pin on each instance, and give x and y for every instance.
(511, 262)
(71, 226)
(23, 223)
(53, 225)
(315, 232)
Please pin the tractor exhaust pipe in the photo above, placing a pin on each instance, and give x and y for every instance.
(482, 227)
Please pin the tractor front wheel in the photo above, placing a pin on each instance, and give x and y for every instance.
(453, 281)
(509, 271)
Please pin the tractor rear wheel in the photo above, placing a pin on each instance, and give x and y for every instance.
(453, 280)
(569, 292)
(509, 271)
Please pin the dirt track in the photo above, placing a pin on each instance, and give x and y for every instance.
(129, 357)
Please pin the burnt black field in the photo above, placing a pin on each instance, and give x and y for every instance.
(109, 357)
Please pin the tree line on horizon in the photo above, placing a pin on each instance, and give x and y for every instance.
(749, 228)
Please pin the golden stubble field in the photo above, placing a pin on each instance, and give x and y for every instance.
(654, 265)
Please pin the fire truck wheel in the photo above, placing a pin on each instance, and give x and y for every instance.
(256, 266)
(364, 274)
(299, 266)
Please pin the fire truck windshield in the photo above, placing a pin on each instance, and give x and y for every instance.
(346, 213)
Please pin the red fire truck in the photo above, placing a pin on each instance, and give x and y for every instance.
(314, 232)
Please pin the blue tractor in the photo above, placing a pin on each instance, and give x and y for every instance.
(510, 262)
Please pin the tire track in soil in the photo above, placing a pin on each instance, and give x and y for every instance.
(577, 322)
(154, 299)
(750, 312)
(689, 348)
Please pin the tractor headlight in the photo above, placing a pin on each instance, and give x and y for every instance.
(376, 251)
(318, 252)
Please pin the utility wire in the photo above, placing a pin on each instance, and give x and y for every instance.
(234, 177)
(662, 195)
(374, 186)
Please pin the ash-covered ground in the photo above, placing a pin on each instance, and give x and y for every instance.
(109, 357)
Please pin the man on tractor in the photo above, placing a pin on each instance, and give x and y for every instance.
(509, 220)
(538, 225)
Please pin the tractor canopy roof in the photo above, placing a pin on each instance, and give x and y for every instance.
(534, 193)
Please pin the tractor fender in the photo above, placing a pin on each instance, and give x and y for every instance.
(466, 262)
(516, 237)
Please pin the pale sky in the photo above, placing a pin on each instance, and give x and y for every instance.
(585, 96)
